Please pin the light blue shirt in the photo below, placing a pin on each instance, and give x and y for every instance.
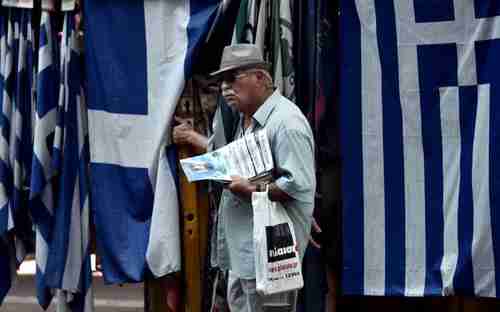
(292, 146)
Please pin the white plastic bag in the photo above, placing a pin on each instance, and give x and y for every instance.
(277, 263)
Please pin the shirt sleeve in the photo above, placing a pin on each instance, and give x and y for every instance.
(294, 162)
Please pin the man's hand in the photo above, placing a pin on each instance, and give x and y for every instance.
(183, 131)
(316, 229)
(242, 187)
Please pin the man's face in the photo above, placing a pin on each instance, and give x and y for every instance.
(238, 89)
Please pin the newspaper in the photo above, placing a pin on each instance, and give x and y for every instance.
(248, 157)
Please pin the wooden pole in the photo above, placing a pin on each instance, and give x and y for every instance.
(192, 261)
(193, 222)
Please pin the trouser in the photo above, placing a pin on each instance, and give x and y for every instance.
(242, 296)
(312, 297)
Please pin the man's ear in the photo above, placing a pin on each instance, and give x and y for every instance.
(260, 76)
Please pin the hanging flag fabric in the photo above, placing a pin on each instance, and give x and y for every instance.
(281, 47)
(21, 145)
(135, 78)
(420, 133)
(246, 22)
(6, 215)
(261, 27)
(6, 221)
(42, 172)
(305, 50)
(68, 264)
(15, 140)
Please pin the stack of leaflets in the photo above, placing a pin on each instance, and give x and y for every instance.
(248, 157)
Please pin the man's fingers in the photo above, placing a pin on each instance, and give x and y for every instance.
(314, 243)
(315, 226)
(183, 121)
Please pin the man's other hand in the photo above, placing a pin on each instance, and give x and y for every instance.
(242, 187)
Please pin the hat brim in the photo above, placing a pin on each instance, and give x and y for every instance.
(218, 73)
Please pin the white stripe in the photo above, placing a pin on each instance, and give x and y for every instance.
(45, 57)
(74, 257)
(45, 52)
(41, 251)
(467, 75)
(483, 261)
(373, 153)
(414, 175)
(47, 198)
(450, 130)
(165, 60)
(43, 127)
(100, 303)
(414, 168)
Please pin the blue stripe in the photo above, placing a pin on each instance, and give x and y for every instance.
(433, 171)
(202, 16)
(434, 64)
(123, 220)
(117, 60)
(351, 147)
(463, 282)
(393, 150)
(43, 293)
(488, 52)
(4, 219)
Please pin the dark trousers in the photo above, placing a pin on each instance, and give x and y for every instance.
(312, 297)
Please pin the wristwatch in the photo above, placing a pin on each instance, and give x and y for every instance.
(261, 187)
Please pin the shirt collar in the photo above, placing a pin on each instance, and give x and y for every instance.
(262, 114)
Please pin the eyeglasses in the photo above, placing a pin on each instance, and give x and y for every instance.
(232, 76)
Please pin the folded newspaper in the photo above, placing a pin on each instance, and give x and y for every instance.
(248, 157)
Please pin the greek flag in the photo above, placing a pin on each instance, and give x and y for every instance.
(68, 262)
(420, 132)
(135, 78)
(16, 49)
(6, 217)
(43, 173)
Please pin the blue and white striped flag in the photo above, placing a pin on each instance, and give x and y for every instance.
(135, 78)
(420, 128)
(42, 172)
(6, 216)
(68, 266)
(9, 55)
(15, 139)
